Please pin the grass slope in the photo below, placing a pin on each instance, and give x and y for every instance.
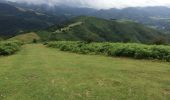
(27, 38)
(96, 29)
(39, 73)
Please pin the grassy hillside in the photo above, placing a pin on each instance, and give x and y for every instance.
(40, 73)
(95, 29)
(26, 38)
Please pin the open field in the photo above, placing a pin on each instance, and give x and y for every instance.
(40, 73)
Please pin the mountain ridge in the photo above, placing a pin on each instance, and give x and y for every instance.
(96, 29)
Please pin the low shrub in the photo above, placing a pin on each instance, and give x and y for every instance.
(9, 47)
(133, 50)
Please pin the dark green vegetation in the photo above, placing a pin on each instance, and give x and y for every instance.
(40, 73)
(9, 47)
(133, 50)
(95, 29)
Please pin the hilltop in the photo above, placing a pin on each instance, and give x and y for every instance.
(96, 29)
(26, 38)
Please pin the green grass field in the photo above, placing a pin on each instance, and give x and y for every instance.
(40, 73)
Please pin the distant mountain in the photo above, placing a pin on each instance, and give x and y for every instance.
(135, 12)
(96, 29)
(157, 17)
(56, 10)
(14, 19)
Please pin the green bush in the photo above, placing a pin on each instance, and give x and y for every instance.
(133, 50)
(9, 47)
(34, 41)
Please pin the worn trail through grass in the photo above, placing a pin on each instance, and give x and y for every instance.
(41, 73)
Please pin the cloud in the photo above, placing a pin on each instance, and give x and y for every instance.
(100, 4)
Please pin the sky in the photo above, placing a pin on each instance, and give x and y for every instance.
(100, 4)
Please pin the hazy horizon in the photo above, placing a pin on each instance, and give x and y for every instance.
(99, 4)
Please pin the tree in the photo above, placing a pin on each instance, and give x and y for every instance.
(34, 40)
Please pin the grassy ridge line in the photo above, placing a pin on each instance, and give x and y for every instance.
(9, 47)
(26, 38)
(85, 28)
(67, 28)
(134, 50)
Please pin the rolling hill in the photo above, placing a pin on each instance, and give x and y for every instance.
(26, 38)
(96, 29)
